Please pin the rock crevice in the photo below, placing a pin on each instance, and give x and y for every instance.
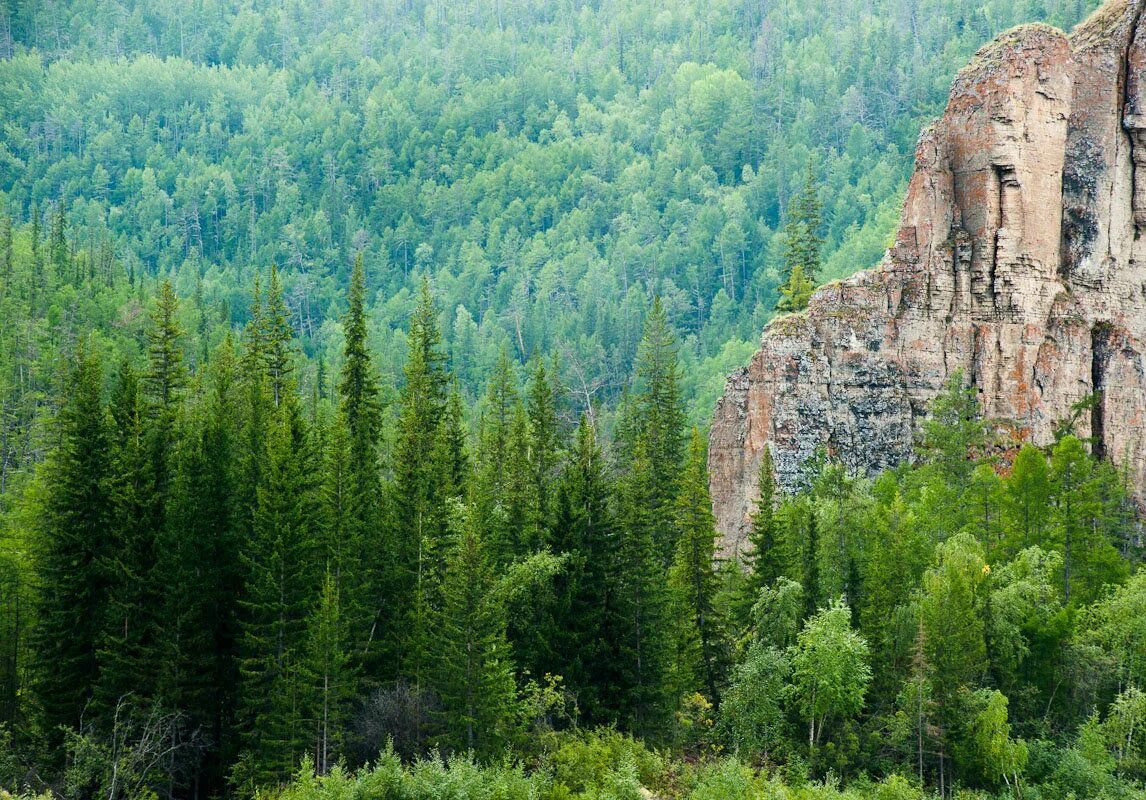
(1018, 262)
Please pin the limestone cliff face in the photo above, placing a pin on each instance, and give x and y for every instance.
(1019, 260)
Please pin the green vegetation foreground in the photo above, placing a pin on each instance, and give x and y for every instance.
(217, 579)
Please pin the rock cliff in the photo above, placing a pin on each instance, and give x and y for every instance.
(1019, 260)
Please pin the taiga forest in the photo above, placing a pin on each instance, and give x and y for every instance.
(357, 359)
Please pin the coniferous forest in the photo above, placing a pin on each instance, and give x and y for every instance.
(355, 362)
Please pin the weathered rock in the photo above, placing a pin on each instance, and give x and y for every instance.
(1019, 261)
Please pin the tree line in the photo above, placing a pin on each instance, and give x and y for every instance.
(218, 577)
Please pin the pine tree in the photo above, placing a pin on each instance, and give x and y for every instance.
(701, 651)
(72, 543)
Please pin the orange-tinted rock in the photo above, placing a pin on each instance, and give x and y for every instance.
(1019, 261)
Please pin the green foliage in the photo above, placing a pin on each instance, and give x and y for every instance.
(830, 670)
(72, 543)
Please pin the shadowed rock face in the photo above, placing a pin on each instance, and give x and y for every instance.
(1019, 260)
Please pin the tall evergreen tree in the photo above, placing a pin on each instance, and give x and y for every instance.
(419, 510)
(72, 543)
(277, 339)
(659, 420)
(355, 528)
(701, 652)
(201, 564)
(802, 239)
(581, 630)
(132, 620)
(474, 668)
(281, 583)
(765, 560)
(6, 259)
(58, 244)
(328, 677)
(638, 582)
(545, 439)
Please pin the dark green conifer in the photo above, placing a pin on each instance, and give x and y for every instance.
(72, 544)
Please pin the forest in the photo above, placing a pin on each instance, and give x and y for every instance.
(355, 363)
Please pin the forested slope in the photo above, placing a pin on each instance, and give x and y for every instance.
(350, 356)
(551, 165)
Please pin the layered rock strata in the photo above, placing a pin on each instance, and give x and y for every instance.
(1019, 261)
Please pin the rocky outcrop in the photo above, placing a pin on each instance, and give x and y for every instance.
(1019, 261)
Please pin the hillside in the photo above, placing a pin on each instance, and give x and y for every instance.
(354, 361)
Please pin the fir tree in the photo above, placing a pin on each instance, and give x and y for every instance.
(419, 509)
(200, 559)
(58, 243)
(659, 420)
(277, 338)
(802, 239)
(132, 616)
(701, 657)
(638, 584)
(580, 633)
(280, 581)
(544, 439)
(474, 669)
(358, 509)
(72, 544)
(5, 254)
(765, 560)
(328, 676)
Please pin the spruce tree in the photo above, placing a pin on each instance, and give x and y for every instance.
(132, 617)
(143, 483)
(580, 630)
(659, 420)
(545, 439)
(638, 582)
(473, 671)
(497, 449)
(5, 254)
(72, 543)
(765, 560)
(277, 339)
(281, 584)
(357, 505)
(58, 244)
(701, 635)
(802, 239)
(419, 508)
(200, 560)
(328, 677)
